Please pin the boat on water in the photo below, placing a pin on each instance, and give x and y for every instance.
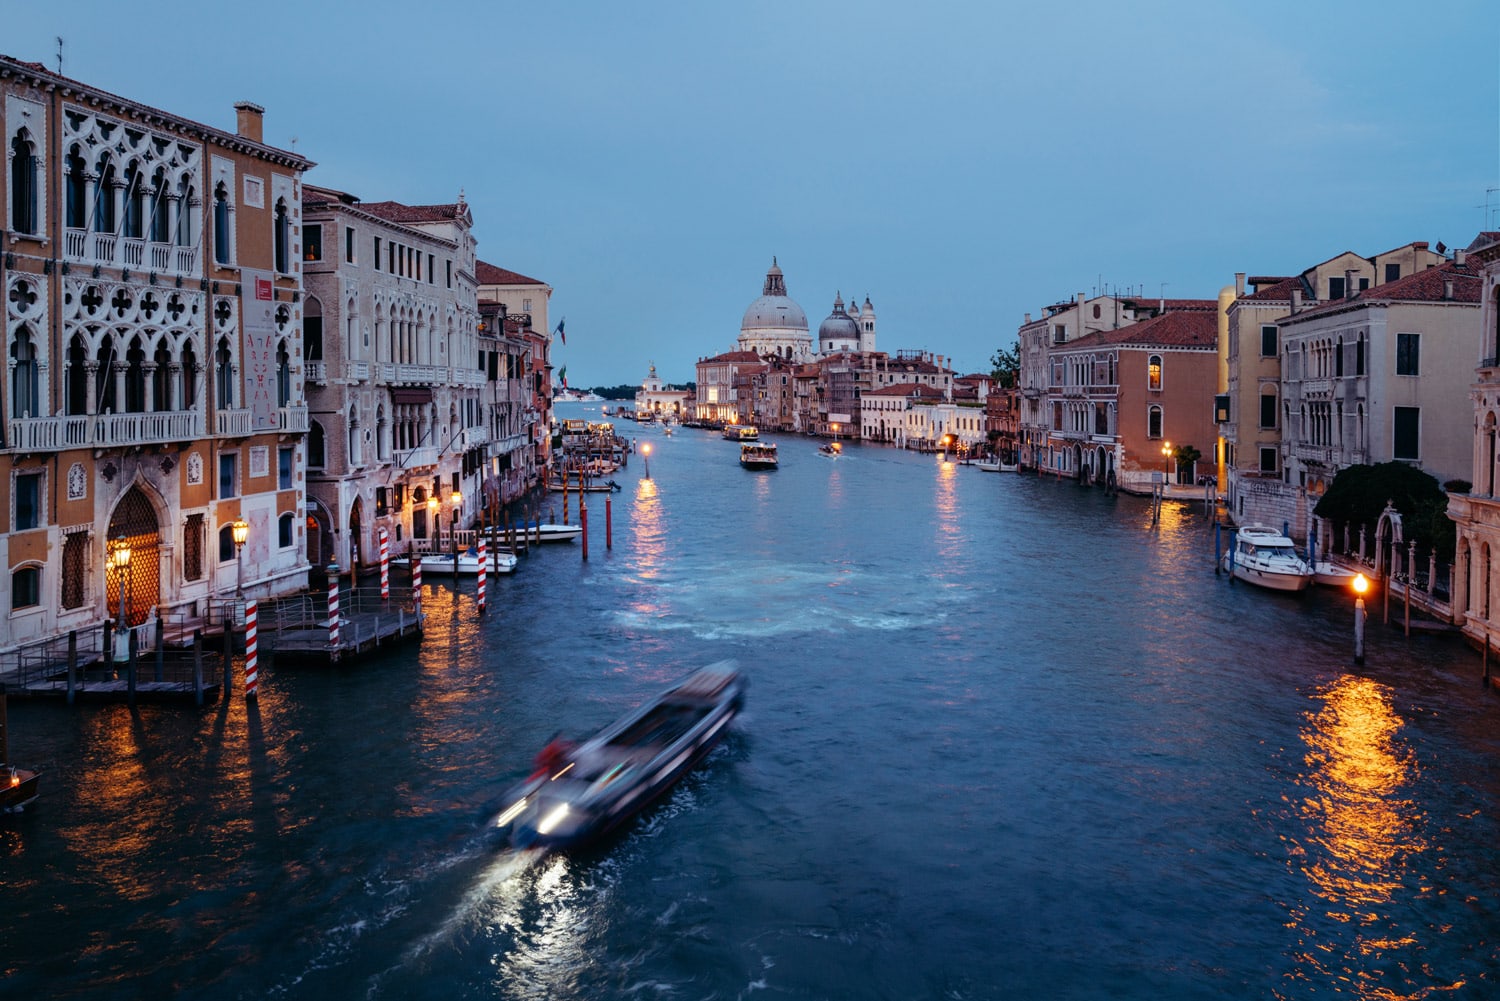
(580, 792)
(1331, 574)
(549, 531)
(1266, 558)
(758, 455)
(832, 450)
(18, 786)
(573, 484)
(988, 467)
(499, 561)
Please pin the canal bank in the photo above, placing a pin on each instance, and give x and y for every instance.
(1003, 738)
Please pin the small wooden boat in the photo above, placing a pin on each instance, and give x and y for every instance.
(758, 455)
(988, 467)
(1331, 574)
(580, 792)
(831, 450)
(500, 561)
(18, 786)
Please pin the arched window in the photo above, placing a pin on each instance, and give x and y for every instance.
(24, 384)
(104, 377)
(283, 375)
(1359, 355)
(284, 537)
(224, 374)
(226, 543)
(26, 587)
(317, 448)
(161, 224)
(189, 378)
(1153, 372)
(76, 391)
(1153, 422)
(187, 236)
(75, 192)
(104, 196)
(23, 184)
(135, 377)
(312, 330)
(161, 378)
(134, 201)
(283, 237)
(221, 224)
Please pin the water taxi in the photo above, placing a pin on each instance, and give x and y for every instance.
(758, 455)
(1266, 558)
(466, 563)
(580, 792)
(831, 449)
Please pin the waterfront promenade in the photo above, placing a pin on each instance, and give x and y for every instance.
(1003, 738)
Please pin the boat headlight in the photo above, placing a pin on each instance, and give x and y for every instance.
(552, 819)
(512, 813)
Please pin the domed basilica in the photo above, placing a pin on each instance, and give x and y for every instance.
(775, 325)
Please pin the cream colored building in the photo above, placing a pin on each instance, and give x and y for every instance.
(153, 324)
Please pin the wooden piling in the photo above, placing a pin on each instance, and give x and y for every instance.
(131, 655)
(198, 667)
(72, 665)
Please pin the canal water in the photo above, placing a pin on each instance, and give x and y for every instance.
(1004, 738)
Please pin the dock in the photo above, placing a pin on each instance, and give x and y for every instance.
(300, 629)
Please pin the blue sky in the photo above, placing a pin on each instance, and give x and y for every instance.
(961, 163)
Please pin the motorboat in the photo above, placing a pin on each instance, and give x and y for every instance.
(831, 449)
(1267, 558)
(499, 561)
(574, 484)
(580, 792)
(1331, 574)
(549, 531)
(758, 455)
(988, 467)
(18, 786)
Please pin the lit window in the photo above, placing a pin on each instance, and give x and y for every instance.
(1153, 373)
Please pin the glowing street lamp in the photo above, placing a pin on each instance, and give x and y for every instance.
(646, 454)
(240, 531)
(835, 430)
(119, 555)
(458, 503)
(1360, 585)
(1166, 461)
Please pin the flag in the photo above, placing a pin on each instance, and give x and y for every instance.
(562, 377)
(559, 331)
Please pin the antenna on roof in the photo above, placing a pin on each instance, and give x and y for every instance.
(59, 55)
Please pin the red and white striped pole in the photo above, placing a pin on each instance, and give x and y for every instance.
(483, 566)
(252, 679)
(385, 567)
(333, 607)
(416, 584)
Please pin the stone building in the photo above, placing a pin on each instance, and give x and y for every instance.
(153, 325)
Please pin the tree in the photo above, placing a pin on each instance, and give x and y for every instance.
(1359, 494)
(1186, 455)
(1005, 366)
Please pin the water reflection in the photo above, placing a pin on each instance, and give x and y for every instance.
(1363, 851)
(946, 511)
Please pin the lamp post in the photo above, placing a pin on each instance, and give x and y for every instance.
(120, 556)
(241, 531)
(453, 523)
(1166, 462)
(646, 455)
(1360, 585)
(434, 508)
(835, 430)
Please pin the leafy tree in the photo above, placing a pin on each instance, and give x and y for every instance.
(1005, 366)
(1359, 494)
(1185, 455)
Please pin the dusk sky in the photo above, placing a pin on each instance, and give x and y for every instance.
(961, 163)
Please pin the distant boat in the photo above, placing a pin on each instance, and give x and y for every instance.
(468, 562)
(832, 450)
(549, 531)
(758, 455)
(1266, 558)
(18, 786)
(988, 467)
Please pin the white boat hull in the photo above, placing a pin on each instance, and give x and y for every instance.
(1272, 580)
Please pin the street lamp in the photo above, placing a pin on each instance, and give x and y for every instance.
(458, 501)
(646, 454)
(241, 531)
(434, 508)
(1166, 461)
(835, 430)
(120, 556)
(1360, 585)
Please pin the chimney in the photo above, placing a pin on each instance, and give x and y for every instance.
(1460, 257)
(247, 122)
(1078, 298)
(1447, 289)
(1239, 284)
(1296, 300)
(1349, 286)
(1028, 318)
(1420, 245)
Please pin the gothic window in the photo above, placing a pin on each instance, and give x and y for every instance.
(221, 224)
(160, 209)
(74, 565)
(134, 201)
(23, 184)
(1153, 373)
(312, 331)
(192, 548)
(189, 378)
(104, 196)
(284, 537)
(161, 396)
(283, 237)
(283, 375)
(75, 192)
(24, 384)
(76, 392)
(316, 446)
(224, 374)
(104, 377)
(135, 377)
(186, 236)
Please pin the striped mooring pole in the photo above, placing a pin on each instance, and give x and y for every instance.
(333, 607)
(483, 566)
(252, 677)
(416, 584)
(385, 567)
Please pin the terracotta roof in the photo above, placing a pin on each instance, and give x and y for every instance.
(397, 212)
(731, 356)
(907, 389)
(1274, 289)
(491, 274)
(1423, 286)
(1182, 329)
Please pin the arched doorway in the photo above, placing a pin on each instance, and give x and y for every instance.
(355, 517)
(319, 536)
(134, 521)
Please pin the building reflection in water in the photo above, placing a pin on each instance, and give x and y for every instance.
(1365, 849)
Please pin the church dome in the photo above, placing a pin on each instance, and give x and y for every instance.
(774, 310)
(839, 326)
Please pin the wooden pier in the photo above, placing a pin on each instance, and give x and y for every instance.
(299, 629)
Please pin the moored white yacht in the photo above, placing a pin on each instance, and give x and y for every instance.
(1266, 558)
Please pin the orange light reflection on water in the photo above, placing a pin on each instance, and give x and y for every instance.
(1363, 847)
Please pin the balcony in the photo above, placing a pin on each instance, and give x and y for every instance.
(415, 458)
(357, 371)
(41, 434)
(1317, 387)
(88, 247)
(420, 375)
(317, 372)
(292, 420)
(232, 423)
